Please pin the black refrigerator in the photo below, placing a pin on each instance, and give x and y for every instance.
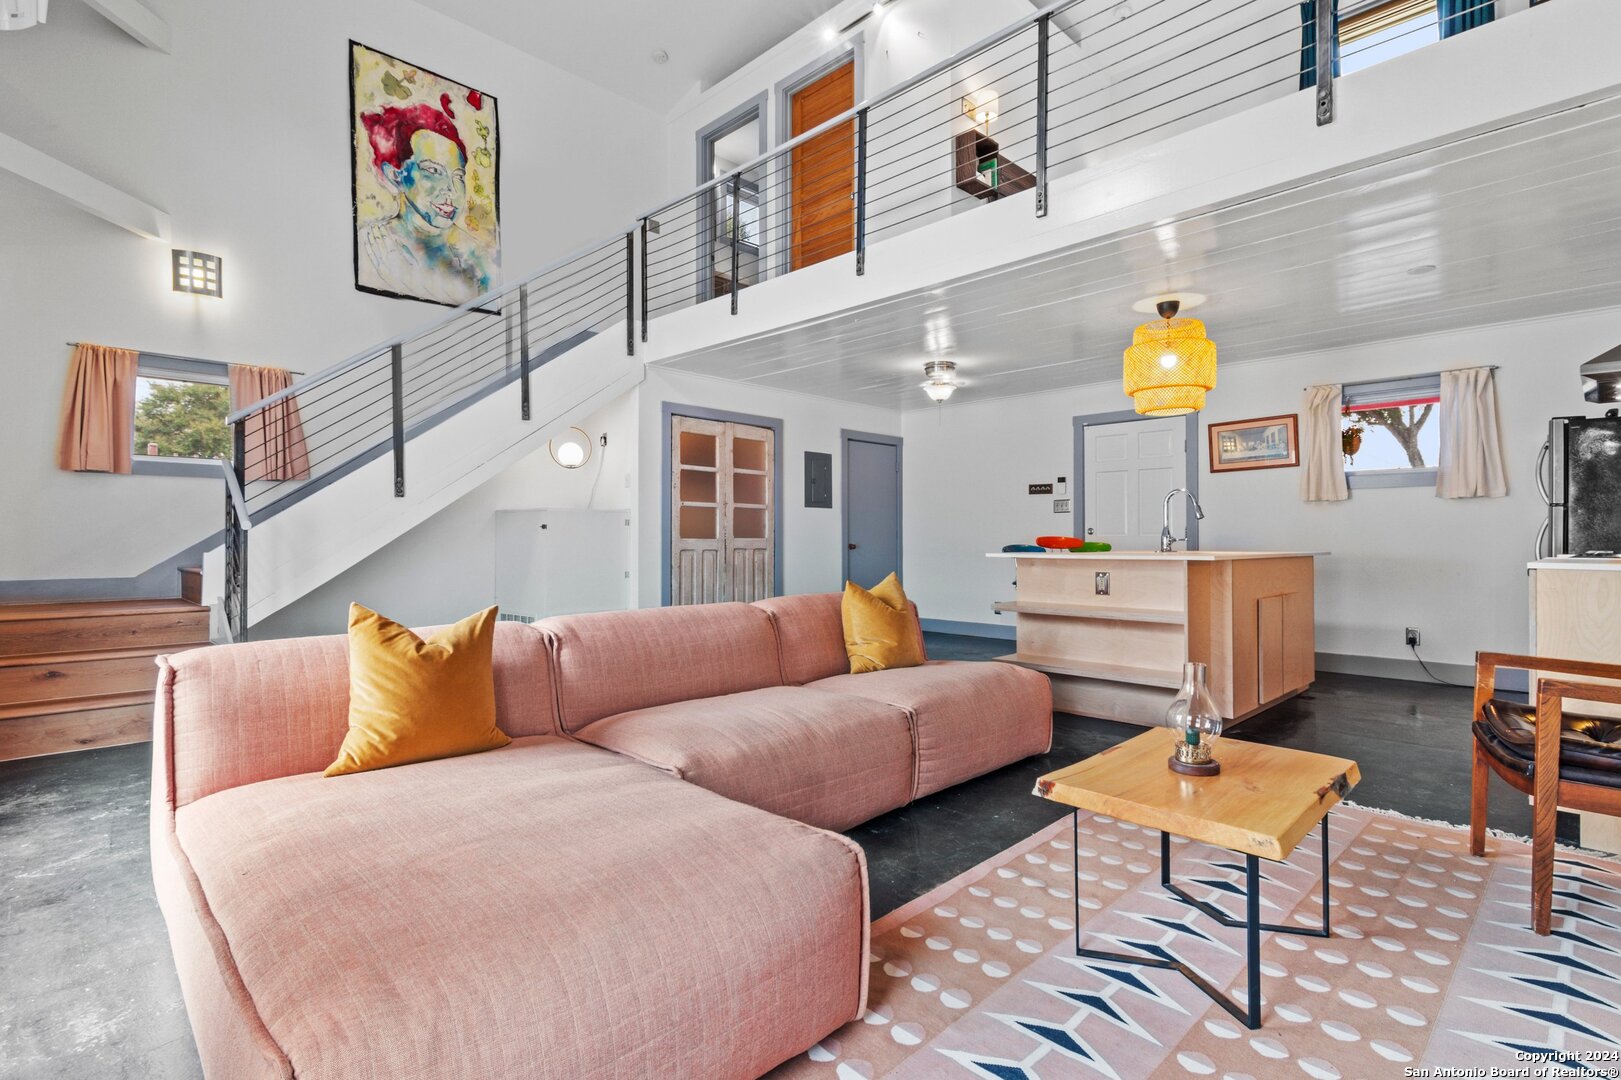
(1584, 484)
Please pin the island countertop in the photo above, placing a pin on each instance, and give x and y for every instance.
(1176, 556)
(1571, 562)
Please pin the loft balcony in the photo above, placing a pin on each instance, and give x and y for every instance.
(1191, 151)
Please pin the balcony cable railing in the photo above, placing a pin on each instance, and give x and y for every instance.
(1071, 82)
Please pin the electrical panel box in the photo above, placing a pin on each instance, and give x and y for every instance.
(818, 479)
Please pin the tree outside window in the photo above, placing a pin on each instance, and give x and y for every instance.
(179, 419)
(1399, 433)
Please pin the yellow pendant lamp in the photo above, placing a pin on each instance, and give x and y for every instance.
(1170, 365)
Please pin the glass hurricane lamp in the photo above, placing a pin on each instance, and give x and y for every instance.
(1197, 723)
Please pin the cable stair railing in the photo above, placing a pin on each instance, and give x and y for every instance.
(1071, 81)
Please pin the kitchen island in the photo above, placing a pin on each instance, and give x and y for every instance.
(1112, 629)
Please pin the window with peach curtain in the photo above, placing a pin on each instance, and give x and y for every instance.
(274, 436)
(98, 410)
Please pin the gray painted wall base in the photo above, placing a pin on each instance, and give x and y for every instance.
(160, 582)
(968, 629)
(1381, 667)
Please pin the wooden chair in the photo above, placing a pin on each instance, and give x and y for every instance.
(1559, 758)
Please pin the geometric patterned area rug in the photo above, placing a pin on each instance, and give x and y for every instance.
(1432, 964)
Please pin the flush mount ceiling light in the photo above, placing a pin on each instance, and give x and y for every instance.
(196, 272)
(571, 451)
(941, 380)
(1170, 365)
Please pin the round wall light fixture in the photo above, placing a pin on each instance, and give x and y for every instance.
(572, 450)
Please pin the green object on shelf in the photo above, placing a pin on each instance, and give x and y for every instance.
(1093, 545)
(988, 170)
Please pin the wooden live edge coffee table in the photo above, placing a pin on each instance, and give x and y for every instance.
(1265, 799)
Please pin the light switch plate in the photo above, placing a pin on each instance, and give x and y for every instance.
(1060, 506)
(1101, 582)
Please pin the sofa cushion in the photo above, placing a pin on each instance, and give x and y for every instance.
(543, 910)
(256, 711)
(825, 759)
(970, 717)
(810, 629)
(615, 661)
(415, 699)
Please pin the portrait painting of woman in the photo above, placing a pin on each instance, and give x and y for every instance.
(425, 169)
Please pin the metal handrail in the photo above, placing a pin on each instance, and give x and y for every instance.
(234, 490)
(316, 378)
(1007, 33)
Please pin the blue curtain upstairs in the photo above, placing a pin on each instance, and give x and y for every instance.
(1308, 42)
(1456, 16)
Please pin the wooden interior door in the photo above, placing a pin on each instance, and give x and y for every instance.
(823, 169)
(722, 511)
(749, 526)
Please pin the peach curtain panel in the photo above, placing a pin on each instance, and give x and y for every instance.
(98, 410)
(276, 449)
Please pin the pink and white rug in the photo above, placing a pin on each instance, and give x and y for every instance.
(1432, 963)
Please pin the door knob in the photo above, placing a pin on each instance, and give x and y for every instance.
(1089, 532)
(852, 547)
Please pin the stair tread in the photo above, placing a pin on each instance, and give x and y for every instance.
(75, 704)
(82, 609)
(85, 655)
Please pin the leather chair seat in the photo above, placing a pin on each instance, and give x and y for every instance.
(1589, 746)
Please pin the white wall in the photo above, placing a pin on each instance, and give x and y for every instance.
(1400, 557)
(444, 568)
(241, 136)
(812, 558)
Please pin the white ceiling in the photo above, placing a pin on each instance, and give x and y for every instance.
(1518, 223)
(611, 42)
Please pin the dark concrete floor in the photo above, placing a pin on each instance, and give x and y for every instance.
(87, 985)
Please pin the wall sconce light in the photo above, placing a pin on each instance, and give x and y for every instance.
(941, 380)
(572, 450)
(981, 107)
(197, 272)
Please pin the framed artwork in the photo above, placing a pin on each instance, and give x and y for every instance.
(425, 159)
(1267, 442)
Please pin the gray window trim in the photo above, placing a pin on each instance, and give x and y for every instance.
(706, 137)
(1390, 478)
(185, 369)
(1351, 394)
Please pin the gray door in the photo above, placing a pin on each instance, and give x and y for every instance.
(872, 509)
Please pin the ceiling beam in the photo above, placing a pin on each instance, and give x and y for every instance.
(80, 189)
(136, 20)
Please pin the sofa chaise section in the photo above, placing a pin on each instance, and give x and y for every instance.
(968, 718)
(697, 691)
(548, 909)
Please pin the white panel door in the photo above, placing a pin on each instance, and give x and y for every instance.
(1130, 468)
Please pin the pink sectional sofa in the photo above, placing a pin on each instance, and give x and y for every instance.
(552, 909)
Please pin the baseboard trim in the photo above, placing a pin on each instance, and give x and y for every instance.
(968, 629)
(1397, 667)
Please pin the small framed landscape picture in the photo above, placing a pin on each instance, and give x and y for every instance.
(1267, 442)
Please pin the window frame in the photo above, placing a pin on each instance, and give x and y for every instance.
(178, 369)
(1372, 391)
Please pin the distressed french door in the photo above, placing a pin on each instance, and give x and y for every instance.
(722, 519)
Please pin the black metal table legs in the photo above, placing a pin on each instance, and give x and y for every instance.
(1250, 1014)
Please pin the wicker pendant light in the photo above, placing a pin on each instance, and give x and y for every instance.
(1170, 365)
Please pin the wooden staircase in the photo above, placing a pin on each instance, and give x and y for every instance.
(81, 674)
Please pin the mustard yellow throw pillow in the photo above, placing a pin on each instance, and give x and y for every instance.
(414, 700)
(880, 630)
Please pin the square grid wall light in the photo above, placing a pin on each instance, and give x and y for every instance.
(197, 272)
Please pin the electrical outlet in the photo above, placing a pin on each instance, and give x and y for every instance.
(1412, 636)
